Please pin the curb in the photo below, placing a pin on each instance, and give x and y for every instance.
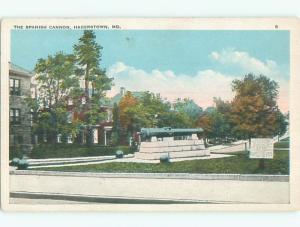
(183, 176)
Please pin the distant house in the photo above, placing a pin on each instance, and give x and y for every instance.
(102, 132)
(20, 117)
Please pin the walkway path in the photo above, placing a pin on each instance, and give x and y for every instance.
(106, 187)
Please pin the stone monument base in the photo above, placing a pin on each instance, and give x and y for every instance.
(173, 148)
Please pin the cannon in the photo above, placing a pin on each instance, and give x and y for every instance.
(147, 133)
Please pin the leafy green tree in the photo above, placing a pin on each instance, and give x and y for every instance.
(56, 85)
(281, 123)
(88, 56)
(189, 107)
(224, 111)
(175, 119)
(149, 110)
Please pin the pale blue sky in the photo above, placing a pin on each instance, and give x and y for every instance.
(183, 52)
(197, 64)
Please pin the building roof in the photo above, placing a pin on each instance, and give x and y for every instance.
(19, 70)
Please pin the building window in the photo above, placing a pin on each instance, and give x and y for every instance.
(15, 139)
(69, 139)
(31, 117)
(15, 88)
(14, 115)
(59, 140)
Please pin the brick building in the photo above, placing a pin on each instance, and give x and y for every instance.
(20, 118)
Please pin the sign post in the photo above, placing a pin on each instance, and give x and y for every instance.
(261, 148)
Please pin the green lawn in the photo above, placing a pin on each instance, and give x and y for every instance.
(72, 150)
(282, 144)
(239, 164)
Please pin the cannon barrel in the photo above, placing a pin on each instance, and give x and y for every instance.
(168, 132)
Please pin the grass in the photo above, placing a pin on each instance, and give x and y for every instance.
(282, 144)
(238, 164)
(73, 150)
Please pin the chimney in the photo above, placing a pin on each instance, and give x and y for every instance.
(122, 91)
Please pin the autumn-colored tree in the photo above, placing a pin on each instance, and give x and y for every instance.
(254, 108)
(126, 102)
(205, 122)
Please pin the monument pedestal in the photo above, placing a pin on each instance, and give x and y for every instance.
(173, 148)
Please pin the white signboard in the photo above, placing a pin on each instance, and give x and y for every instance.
(261, 148)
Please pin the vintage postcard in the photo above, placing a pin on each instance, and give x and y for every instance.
(150, 114)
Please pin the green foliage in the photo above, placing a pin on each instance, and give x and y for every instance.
(56, 85)
(150, 111)
(88, 56)
(189, 107)
(75, 150)
(281, 123)
(15, 152)
(58, 79)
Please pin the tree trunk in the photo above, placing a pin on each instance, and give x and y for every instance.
(87, 105)
(261, 164)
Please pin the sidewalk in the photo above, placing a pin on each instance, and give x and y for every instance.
(143, 188)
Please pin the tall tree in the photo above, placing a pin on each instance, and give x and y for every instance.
(56, 85)
(254, 107)
(88, 56)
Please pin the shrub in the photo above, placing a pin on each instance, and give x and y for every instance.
(14, 162)
(119, 154)
(23, 164)
(74, 150)
(164, 158)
